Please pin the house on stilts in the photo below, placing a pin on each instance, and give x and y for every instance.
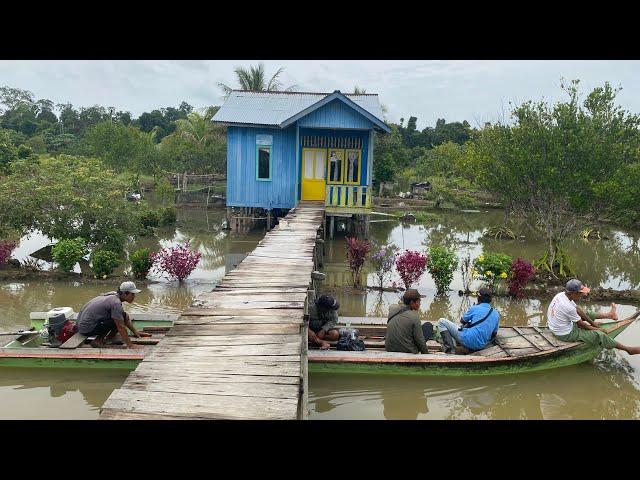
(287, 147)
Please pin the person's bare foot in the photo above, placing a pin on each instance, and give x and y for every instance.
(325, 346)
(613, 315)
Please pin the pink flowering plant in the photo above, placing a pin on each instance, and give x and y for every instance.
(357, 251)
(411, 265)
(6, 247)
(521, 273)
(175, 262)
(382, 260)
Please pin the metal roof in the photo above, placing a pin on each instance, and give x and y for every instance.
(274, 108)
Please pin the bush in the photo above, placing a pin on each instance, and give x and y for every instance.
(521, 272)
(149, 218)
(67, 252)
(175, 262)
(168, 216)
(113, 241)
(6, 247)
(382, 261)
(357, 253)
(103, 262)
(442, 263)
(166, 192)
(411, 266)
(141, 262)
(491, 267)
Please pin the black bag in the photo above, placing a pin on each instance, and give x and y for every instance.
(349, 341)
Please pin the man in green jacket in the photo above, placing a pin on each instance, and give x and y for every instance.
(404, 331)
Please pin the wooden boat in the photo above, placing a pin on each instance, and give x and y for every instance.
(30, 350)
(516, 350)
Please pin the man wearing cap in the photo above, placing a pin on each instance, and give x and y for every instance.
(570, 323)
(323, 317)
(404, 331)
(479, 324)
(105, 314)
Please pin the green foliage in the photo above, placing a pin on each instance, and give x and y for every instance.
(168, 216)
(24, 151)
(255, 78)
(149, 218)
(141, 262)
(491, 267)
(8, 151)
(67, 252)
(165, 191)
(454, 190)
(112, 240)
(103, 262)
(66, 197)
(442, 264)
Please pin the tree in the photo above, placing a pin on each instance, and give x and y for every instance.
(555, 160)
(8, 151)
(66, 197)
(255, 79)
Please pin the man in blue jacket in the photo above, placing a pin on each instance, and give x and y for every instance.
(479, 325)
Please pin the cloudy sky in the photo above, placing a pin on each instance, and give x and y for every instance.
(473, 90)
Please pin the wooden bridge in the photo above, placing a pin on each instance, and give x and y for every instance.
(240, 352)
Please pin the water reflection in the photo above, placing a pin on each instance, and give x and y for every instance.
(580, 392)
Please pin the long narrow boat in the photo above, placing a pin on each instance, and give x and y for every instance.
(29, 350)
(516, 350)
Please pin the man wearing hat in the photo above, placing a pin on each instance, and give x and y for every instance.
(105, 314)
(478, 325)
(323, 317)
(570, 323)
(404, 331)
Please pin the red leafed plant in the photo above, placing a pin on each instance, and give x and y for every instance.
(357, 253)
(6, 247)
(520, 274)
(175, 262)
(411, 265)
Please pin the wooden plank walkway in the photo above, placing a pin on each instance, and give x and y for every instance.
(240, 351)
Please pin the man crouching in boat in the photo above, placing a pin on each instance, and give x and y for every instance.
(570, 323)
(479, 325)
(323, 317)
(404, 332)
(105, 314)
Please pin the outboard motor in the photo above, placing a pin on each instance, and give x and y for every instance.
(55, 325)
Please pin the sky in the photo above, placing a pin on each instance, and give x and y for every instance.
(472, 90)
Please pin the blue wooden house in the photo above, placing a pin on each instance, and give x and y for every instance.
(285, 147)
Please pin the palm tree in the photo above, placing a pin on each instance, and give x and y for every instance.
(359, 91)
(254, 78)
(198, 128)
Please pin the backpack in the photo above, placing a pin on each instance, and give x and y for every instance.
(349, 341)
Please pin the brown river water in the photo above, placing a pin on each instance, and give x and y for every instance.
(607, 388)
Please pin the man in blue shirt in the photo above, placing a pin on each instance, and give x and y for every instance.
(479, 325)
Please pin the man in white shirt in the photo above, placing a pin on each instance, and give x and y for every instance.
(570, 323)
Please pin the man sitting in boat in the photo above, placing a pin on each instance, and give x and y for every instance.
(323, 317)
(479, 325)
(570, 323)
(104, 314)
(404, 331)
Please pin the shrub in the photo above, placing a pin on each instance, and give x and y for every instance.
(442, 263)
(103, 262)
(357, 253)
(113, 241)
(175, 262)
(67, 252)
(141, 262)
(411, 266)
(491, 267)
(32, 264)
(165, 191)
(149, 218)
(168, 216)
(382, 261)
(521, 272)
(6, 247)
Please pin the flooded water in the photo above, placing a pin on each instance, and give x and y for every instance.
(607, 388)
(59, 393)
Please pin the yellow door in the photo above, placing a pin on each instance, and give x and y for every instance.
(313, 173)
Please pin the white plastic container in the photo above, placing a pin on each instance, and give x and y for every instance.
(68, 312)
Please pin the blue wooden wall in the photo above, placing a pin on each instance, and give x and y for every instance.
(335, 114)
(243, 190)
